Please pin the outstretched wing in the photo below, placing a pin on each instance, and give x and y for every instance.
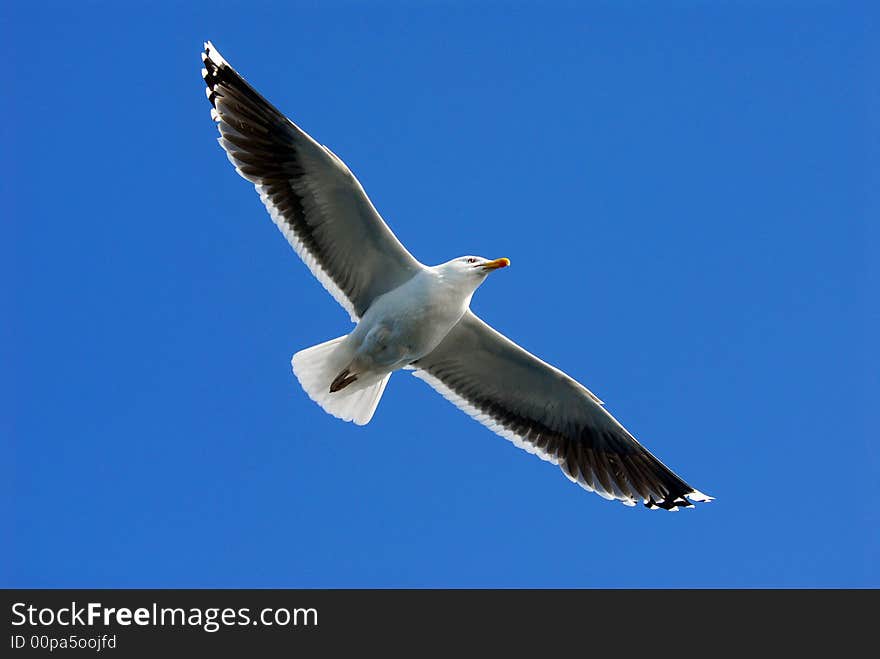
(544, 411)
(311, 195)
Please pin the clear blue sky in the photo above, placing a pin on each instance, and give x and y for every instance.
(689, 197)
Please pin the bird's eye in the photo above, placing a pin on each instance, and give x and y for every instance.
(472, 260)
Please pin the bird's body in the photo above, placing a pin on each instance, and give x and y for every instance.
(407, 323)
(412, 316)
(400, 327)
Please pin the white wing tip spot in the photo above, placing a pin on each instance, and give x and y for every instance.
(699, 497)
(213, 55)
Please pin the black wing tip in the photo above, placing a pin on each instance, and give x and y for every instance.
(223, 82)
(218, 72)
(214, 64)
(673, 503)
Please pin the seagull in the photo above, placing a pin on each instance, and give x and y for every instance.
(417, 317)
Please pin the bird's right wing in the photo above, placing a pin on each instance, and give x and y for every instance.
(311, 195)
(544, 411)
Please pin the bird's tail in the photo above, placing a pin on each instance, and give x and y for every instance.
(317, 369)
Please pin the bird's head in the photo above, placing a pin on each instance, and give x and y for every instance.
(470, 271)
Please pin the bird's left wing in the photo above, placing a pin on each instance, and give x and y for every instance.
(544, 411)
(311, 195)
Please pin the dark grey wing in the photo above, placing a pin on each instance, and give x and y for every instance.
(311, 195)
(544, 411)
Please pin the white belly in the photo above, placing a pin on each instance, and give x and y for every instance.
(406, 324)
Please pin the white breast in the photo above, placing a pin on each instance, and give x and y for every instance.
(410, 321)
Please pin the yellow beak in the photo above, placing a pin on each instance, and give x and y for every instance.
(497, 263)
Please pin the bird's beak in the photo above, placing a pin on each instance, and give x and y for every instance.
(494, 265)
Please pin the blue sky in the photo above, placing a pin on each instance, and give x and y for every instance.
(689, 198)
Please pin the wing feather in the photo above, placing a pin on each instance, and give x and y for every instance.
(544, 411)
(310, 194)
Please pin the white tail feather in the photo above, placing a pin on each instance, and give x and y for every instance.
(318, 366)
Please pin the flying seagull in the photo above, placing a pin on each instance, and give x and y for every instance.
(417, 317)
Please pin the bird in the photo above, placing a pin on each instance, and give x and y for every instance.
(409, 316)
